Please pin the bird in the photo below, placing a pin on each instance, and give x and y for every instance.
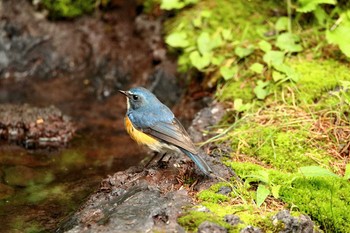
(149, 122)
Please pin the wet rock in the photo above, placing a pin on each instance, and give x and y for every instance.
(209, 227)
(141, 206)
(35, 127)
(225, 190)
(165, 86)
(301, 224)
(251, 229)
(205, 119)
(232, 219)
(144, 199)
(6, 191)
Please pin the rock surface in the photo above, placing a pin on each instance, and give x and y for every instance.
(144, 199)
(35, 127)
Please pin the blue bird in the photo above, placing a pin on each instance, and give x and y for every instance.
(151, 123)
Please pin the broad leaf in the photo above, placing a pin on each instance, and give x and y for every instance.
(315, 171)
(310, 5)
(265, 46)
(282, 24)
(203, 43)
(261, 194)
(261, 89)
(273, 57)
(243, 52)
(177, 40)
(340, 35)
(228, 72)
(257, 67)
(199, 61)
(289, 42)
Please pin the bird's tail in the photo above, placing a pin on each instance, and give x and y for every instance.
(199, 161)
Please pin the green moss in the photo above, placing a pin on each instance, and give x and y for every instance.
(69, 8)
(325, 199)
(283, 148)
(318, 78)
(236, 90)
(211, 194)
(191, 220)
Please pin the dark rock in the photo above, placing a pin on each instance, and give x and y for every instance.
(143, 199)
(209, 227)
(232, 219)
(35, 127)
(225, 190)
(251, 229)
(301, 224)
(142, 207)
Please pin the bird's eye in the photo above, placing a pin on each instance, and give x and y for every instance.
(135, 97)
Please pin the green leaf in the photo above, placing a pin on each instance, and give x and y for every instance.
(171, 4)
(203, 43)
(199, 61)
(217, 60)
(243, 52)
(177, 40)
(289, 42)
(273, 57)
(228, 72)
(197, 22)
(315, 171)
(257, 67)
(288, 71)
(226, 34)
(275, 190)
(239, 106)
(261, 194)
(265, 46)
(261, 89)
(282, 24)
(277, 76)
(310, 5)
(347, 172)
(340, 35)
(321, 15)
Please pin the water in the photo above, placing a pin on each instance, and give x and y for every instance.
(39, 188)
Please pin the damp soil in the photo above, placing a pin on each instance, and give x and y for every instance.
(77, 67)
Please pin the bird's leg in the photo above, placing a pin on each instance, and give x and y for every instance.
(160, 161)
(154, 155)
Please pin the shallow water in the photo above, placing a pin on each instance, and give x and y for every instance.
(39, 188)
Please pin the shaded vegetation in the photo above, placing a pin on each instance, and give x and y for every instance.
(60, 9)
(281, 68)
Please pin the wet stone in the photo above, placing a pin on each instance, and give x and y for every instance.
(224, 190)
(231, 219)
(302, 223)
(209, 227)
(35, 127)
(251, 229)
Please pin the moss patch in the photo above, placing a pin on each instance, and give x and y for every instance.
(59, 9)
(318, 78)
(324, 199)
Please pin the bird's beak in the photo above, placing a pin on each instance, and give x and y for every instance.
(124, 93)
